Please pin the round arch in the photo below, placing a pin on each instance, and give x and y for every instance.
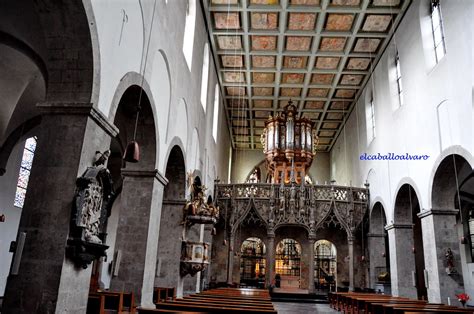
(406, 181)
(253, 262)
(445, 166)
(325, 264)
(288, 253)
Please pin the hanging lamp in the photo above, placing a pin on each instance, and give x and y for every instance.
(132, 152)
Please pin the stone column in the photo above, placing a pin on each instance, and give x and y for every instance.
(402, 260)
(376, 242)
(350, 246)
(311, 265)
(270, 259)
(439, 235)
(230, 259)
(47, 282)
(138, 233)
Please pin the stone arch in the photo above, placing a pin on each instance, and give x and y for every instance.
(169, 244)
(450, 173)
(294, 277)
(43, 59)
(134, 80)
(406, 204)
(408, 243)
(444, 165)
(140, 194)
(378, 219)
(377, 241)
(253, 254)
(77, 34)
(413, 188)
(175, 141)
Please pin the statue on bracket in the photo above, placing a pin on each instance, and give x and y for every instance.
(91, 208)
(197, 209)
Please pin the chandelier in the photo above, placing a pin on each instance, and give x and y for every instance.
(289, 144)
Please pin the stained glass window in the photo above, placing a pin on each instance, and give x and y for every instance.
(252, 262)
(25, 169)
(325, 264)
(287, 257)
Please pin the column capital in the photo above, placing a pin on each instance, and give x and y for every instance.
(438, 211)
(271, 234)
(145, 174)
(85, 109)
(399, 226)
(350, 238)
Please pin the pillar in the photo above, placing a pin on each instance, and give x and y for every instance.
(402, 260)
(270, 260)
(439, 234)
(47, 282)
(311, 266)
(230, 259)
(376, 243)
(350, 246)
(198, 275)
(138, 233)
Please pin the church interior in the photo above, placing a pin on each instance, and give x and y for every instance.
(236, 155)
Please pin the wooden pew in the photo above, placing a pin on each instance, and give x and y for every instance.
(221, 304)
(222, 300)
(228, 300)
(210, 308)
(370, 303)
(96, 304)
(121, 302)
(161, 294)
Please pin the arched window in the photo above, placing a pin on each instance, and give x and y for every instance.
(25, 169)
(287, 258)
(205, 76)
(325, 264)
(438, 30)
(399, 79)
(215, 119)
(370, 114)
(252, 262)
(189, 26)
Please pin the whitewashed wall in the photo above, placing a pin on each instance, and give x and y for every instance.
(436, 119)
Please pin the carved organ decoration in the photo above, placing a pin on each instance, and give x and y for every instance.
(289, 144)
(91, 208)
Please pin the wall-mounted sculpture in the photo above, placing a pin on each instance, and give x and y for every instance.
(91, 208)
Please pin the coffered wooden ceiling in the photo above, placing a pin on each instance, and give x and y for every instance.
(319, 53)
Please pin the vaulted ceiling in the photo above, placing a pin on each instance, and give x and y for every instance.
(318, 53)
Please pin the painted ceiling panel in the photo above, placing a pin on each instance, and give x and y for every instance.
(319, 53)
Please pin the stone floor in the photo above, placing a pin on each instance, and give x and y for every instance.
(297, 308)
